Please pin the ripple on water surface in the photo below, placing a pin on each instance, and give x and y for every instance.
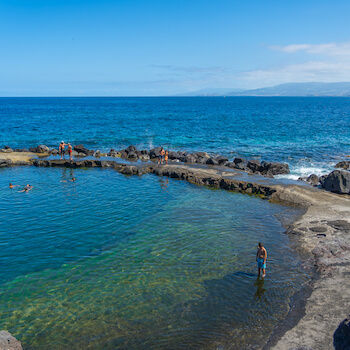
(111, 262)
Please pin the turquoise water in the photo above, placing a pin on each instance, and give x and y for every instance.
(311, 134)
(115, 262)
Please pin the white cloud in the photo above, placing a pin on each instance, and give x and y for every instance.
(327, 63)
(341, 50)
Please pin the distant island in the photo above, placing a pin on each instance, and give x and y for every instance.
(290, 89)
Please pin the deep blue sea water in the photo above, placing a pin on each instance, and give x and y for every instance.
(116, 262)
(309, 133)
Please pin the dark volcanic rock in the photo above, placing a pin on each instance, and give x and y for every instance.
(42, 149)
(32, 149)
(97, 154)
(239, 160)
(6, 150)
(112, 153)
(54, 152)
(132, 155)
(345, 164)
(8, 342)
(254, 166)
(238, 163)
(274, 168)
(313, 180)
(337, 181)
(154, 153)
(189, 158)
(222, 160)
(212, 161)
(123, 154)
(130, 149)
(81, 149)
(341, 337)
(176, 155)
(5, 162)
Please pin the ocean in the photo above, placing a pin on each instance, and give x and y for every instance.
(311, 134)
(117, 262)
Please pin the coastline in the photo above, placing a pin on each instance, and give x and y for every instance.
(322, 232)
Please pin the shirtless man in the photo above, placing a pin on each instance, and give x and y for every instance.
(261, 256)
(161, 156)
(61, 149)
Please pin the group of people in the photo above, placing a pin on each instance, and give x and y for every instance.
(163, 156)
(61, 150)
(25, 189)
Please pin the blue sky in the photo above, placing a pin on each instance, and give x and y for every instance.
(156, 48)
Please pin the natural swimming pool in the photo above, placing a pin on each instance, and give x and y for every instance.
(111, 262)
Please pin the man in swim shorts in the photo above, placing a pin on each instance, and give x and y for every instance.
(261, 256)
(61, 149)
(161, 156)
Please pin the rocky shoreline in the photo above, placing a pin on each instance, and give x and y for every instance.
(337, 181)
(323, 231)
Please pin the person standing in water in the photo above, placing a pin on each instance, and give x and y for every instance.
(261, 256)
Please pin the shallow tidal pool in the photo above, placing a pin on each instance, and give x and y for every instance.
(116, 262)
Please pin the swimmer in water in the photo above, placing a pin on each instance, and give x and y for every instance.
(12, 186)
(27, 188)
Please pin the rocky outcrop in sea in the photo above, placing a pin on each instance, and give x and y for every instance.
(338, 181)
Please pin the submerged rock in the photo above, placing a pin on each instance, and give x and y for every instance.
(8, 342)
(337, 181)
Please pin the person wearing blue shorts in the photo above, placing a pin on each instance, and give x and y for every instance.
(261, 257)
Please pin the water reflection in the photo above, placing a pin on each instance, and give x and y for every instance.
(260, 290)
(164, 184)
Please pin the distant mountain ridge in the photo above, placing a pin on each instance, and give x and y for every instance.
(289, 89)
